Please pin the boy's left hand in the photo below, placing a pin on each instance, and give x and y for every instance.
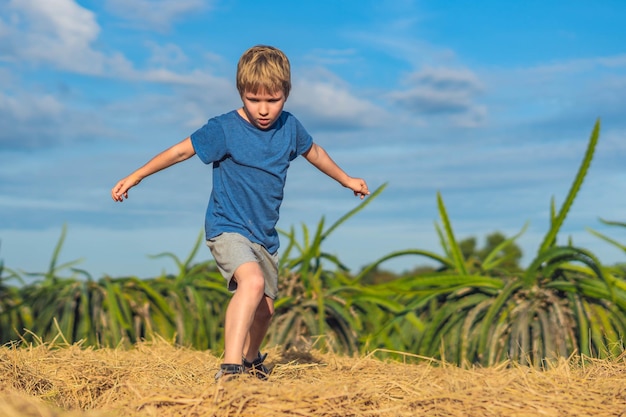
(359, 187)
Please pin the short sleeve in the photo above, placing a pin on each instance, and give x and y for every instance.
(304, 141)
(209, 142)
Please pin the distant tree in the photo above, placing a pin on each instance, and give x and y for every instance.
(421, 270)
(468, 248)
(378, 276)
(511, 254)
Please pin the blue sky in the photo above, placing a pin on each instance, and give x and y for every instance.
(491, 105)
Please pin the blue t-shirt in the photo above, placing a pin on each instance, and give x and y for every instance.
(249, 173)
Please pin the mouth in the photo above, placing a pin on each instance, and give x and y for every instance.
(263, 122)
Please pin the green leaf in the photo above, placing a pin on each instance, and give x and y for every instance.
(457, 256)
(550, 237)
(491, 261)
(364, 203)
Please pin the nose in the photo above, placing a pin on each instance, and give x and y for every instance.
(263, 108)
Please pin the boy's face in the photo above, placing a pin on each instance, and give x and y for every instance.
(262, 109)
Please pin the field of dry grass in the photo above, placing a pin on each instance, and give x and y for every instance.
(158, 379)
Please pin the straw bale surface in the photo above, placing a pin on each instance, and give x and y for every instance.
(159, 379)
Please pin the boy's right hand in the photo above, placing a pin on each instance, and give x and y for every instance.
(120, 191)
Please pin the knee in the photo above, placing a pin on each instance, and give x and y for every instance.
(253, 284)
(250, 279)
(257, 284)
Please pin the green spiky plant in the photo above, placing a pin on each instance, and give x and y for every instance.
(187, 308)
(13, 317)
(607, 239)
(54, 302)
(316, 291)
(562, 304)
(618, 269)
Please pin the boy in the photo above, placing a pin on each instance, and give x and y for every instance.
(250, 149)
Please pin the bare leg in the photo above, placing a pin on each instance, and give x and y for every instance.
(260, 324)
(242, 310)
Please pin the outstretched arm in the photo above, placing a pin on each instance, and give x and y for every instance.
(317, 156)
(177, 153)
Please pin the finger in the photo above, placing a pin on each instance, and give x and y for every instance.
(117, 195)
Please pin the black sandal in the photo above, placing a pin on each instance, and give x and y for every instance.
(230, 370)
(256, 367)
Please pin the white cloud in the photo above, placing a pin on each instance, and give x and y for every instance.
(327, 103)
(57, 32)
(166, 55)
(579, 65)
(63, 34)
(29, 106)
(65, 20)
(331, 56)
(158, 15)
(28, 120)
(443, 92)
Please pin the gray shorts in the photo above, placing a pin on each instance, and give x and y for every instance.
(231, 250)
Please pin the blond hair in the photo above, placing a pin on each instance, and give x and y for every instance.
(266, 68)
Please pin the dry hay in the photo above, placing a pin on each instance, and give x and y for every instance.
(158, 379)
